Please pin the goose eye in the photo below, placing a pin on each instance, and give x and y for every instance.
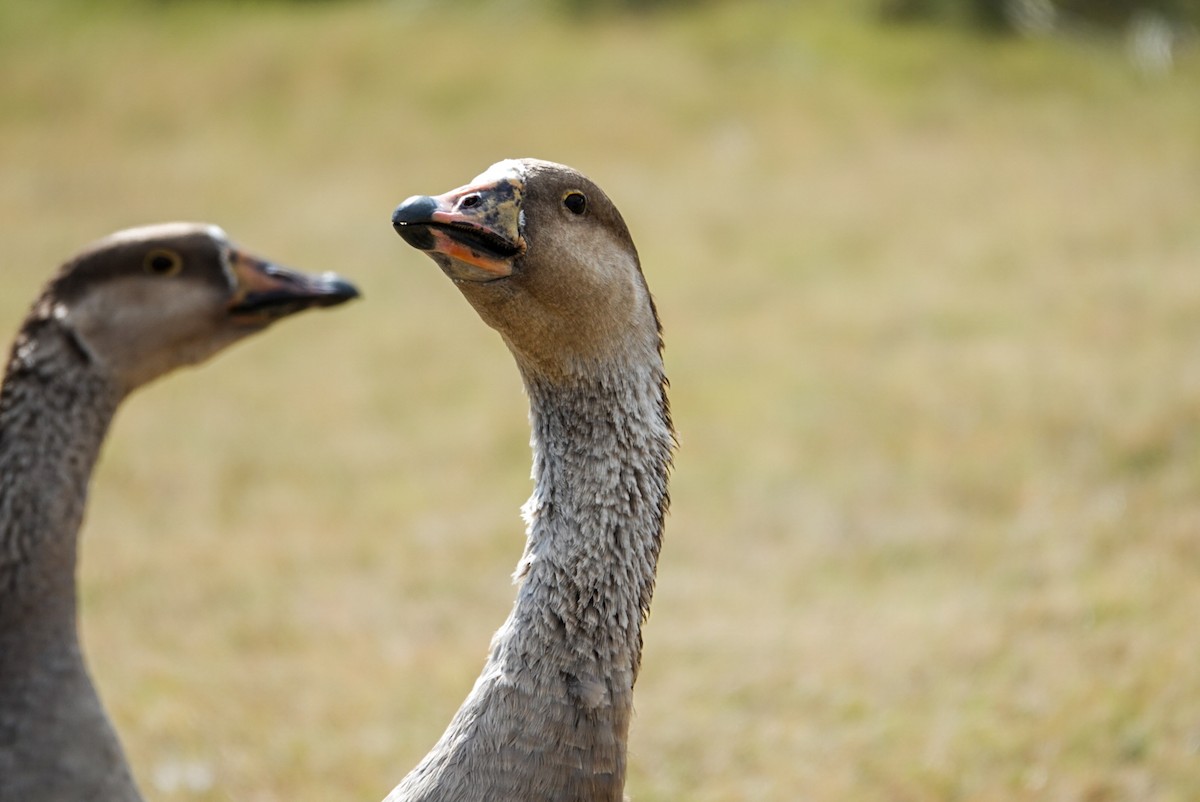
(575, 202)
(161, 262)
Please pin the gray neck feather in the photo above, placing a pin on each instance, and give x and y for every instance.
(548, 718)
(55, 409)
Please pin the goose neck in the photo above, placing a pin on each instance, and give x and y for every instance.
(55, 409)
(601, 454)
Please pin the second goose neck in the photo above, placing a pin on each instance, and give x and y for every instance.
(55, 409)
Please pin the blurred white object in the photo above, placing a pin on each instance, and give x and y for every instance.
(1150, 43)
(176, 775)
(1031, 17)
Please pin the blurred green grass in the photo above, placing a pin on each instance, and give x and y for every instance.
(931, 319)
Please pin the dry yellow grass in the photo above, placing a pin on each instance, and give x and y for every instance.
(932, 319)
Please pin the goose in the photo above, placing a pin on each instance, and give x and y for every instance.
(124, 311)
(546, 260)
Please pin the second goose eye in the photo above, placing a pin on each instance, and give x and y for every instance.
(161, 262)
(575, 202)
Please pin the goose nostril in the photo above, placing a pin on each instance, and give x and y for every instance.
(471, 201)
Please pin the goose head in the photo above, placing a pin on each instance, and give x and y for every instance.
(145, 301)
(545, 258)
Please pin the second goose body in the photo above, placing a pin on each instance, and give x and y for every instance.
(123, 312)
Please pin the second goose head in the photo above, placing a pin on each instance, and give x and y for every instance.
(144, 301)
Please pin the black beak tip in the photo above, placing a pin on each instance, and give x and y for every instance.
(411, 220)
(338, 290)
(417, 209)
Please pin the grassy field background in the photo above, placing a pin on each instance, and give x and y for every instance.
(932, 318)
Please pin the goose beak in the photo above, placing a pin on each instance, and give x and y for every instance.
(473, 232)
(264, 291)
